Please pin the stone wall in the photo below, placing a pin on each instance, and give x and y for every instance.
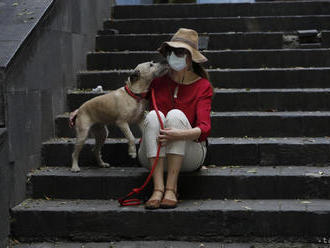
(35, 82)
(4, 187)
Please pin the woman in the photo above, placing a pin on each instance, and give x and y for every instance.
(183, 98)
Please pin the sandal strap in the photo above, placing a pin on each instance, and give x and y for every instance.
(173, 190)
(159, 190)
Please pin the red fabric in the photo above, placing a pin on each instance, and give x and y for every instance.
(194, 100)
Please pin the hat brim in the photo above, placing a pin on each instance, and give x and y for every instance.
(196, 56)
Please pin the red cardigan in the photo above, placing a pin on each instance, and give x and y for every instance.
(193, 99)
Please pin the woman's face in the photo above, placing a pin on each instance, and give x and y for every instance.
(179, 52)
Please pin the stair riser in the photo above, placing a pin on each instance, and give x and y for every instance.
(219, 59)
(189, 225)
(246, 101)
(221, 10)
(218, 153)
(62, 129)
(240, 126)
(289, 78)
(191, 187)
(213, 25)
(210, 42)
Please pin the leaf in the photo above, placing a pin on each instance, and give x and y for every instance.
(14, 4)
(47, 198)
(252, 171)
(305, 202)
(246, 207)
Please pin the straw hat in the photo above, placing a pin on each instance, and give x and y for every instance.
(188, 39)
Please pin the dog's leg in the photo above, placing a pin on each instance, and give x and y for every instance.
(100, 133)
(82, 129)
(124, 127)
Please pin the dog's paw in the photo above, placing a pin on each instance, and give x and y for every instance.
(75, 169)
(105, 165)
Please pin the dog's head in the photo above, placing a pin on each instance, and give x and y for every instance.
(144, 73)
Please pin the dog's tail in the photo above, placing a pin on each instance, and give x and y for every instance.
(73, 117)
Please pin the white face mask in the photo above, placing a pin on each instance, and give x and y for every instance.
(177, 63)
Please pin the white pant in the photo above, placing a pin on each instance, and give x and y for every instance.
(194, 152)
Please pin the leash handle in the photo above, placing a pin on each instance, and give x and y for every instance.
(125, 201)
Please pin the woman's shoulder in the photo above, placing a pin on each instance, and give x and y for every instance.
(204, 87)
(204, 83)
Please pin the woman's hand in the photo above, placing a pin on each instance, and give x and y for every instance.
(170, 134)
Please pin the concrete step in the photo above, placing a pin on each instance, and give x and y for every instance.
(228, 182)
(106, 41)
(193, 220)
(221, 151)
(227, 78)
(167, 244)
(219, 59)
(220, 24)
(242, 124)
(223, 10)
(212, 41)
(273, 100)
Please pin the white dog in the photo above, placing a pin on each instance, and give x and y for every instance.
(122, 107)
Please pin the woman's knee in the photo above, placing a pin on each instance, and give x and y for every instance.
(176, 118)
(151, 120)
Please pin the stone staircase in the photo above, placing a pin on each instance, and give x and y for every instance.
(267, 172)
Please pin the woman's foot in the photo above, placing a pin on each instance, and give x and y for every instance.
(154, 201)
(170, 199)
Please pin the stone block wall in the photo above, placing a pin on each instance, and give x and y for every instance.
(35, 83)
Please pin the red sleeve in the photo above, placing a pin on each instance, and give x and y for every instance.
(203, 120)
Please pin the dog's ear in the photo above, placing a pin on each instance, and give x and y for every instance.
(135, 76)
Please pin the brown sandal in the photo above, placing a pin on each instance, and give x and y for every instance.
(153, 204)
(167, 203)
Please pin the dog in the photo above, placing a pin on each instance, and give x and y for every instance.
(121, 107)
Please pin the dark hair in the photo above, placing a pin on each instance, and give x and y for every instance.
(200, 70)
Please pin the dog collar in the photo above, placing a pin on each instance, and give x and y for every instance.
(137, 97)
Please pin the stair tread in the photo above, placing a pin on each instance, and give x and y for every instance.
(202, 34)
(250, 171)
(278, 205)
(166, 244)
(218, 140)
(258, 114)
(291, 50)
(230, 90)
(214, 18)
(218, 70)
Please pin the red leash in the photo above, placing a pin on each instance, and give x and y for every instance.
(135, 201)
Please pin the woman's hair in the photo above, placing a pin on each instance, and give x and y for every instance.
(200, 70)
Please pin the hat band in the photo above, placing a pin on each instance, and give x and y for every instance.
(192, 44)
